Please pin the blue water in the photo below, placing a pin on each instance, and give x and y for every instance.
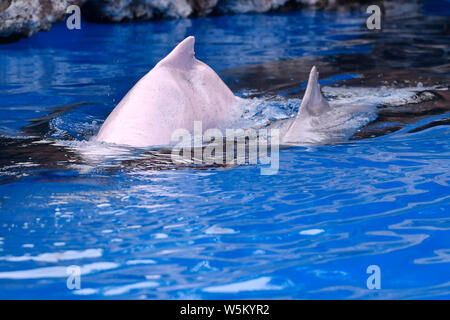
(139, 231)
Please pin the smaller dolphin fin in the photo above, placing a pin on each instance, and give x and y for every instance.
(313, 103)
(182, 56)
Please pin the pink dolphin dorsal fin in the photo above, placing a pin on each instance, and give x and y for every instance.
(314, 103)
(182, 56)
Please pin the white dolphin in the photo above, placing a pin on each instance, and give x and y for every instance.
(180, 90)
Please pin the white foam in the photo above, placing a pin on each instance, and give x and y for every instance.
(141, 262)
(55, 272)
(219, 230)
(311, 232)
(129, 287)
(56, 256)
(388, 96)
(160, 236)
(259, 284)
(85, 291)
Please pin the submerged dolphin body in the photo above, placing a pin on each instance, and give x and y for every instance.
(180, 90)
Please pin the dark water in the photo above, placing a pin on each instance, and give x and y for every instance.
(140, 228)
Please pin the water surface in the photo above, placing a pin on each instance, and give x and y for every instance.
(142, 228)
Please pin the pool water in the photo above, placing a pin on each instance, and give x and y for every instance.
(140, 228)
